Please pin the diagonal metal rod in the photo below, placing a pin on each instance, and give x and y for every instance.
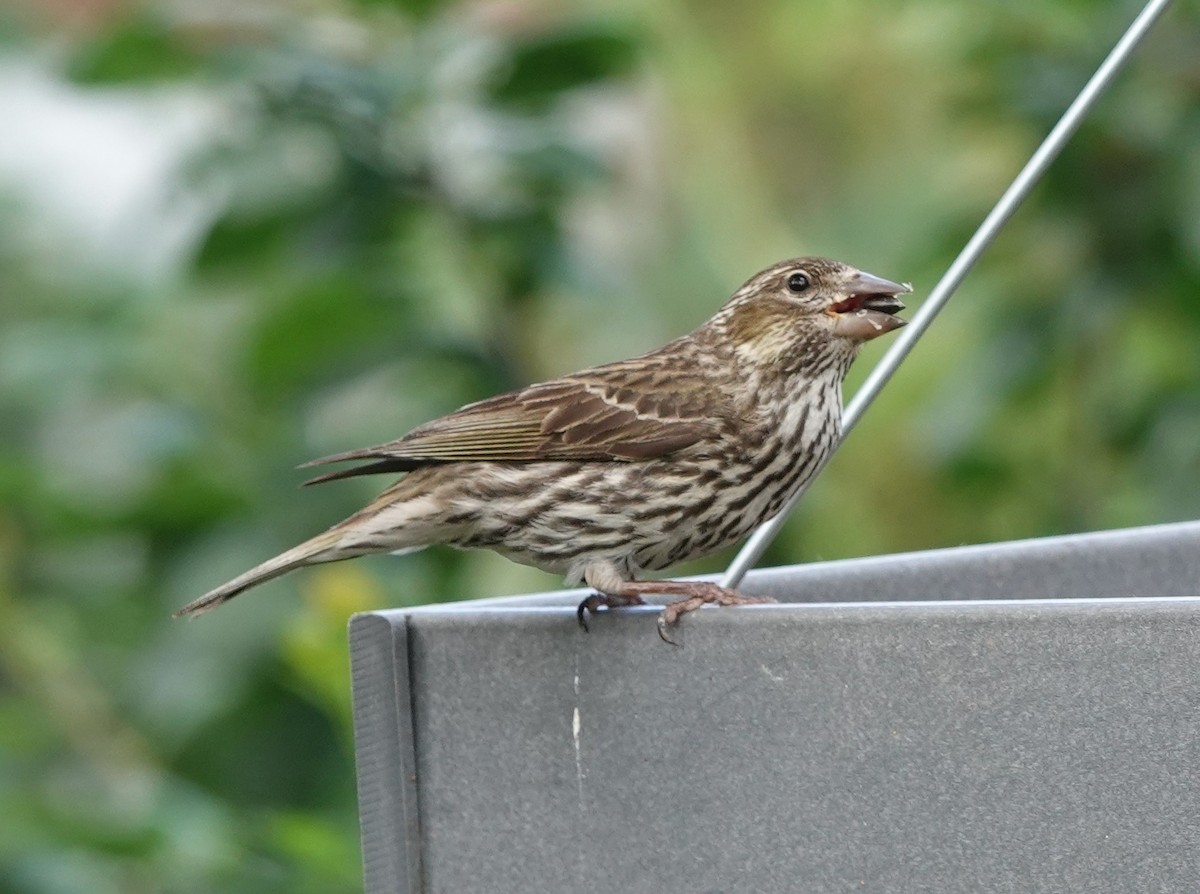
(954, 275)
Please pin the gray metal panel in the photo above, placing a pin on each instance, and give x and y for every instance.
(1045, 745)
(383, 745)
(1159, 560)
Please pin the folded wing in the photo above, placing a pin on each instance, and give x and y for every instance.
(613, 414)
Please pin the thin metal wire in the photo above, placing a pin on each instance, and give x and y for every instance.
(1037, 165)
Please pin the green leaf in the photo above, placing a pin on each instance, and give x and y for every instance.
(326, 327)
(143, 50)
(418, 9)
(543, 67)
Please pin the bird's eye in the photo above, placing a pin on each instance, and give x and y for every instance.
(797, 282)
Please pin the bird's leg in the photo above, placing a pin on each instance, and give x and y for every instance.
(615, 592)
(610, 586)
(608, 600)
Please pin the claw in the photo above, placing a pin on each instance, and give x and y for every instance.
(596, 600)
(588, 605)
(663, 626)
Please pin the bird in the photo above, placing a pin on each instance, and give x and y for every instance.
(630, 467)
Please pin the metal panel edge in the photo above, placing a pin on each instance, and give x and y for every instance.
(384, 754)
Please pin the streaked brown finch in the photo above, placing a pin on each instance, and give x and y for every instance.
(633, 466)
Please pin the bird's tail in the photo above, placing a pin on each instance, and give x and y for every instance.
(322, 548)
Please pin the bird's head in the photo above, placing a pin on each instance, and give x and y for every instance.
(809, 306)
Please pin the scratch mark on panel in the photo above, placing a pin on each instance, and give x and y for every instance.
(577, 736)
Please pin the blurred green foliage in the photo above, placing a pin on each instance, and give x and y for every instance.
(375, 212)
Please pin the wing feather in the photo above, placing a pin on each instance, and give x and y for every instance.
(598, 415)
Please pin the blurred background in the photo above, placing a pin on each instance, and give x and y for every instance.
(238, 235)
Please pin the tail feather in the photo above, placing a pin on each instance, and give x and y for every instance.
(383, 526)
(394, 461)
(312, 552)
(376, 468)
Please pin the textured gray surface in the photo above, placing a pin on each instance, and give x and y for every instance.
(383, 734)
(912, 745)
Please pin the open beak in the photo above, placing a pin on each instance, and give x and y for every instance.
(870, 310)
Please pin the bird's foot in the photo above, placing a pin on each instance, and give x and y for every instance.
(606, 600)
(696, 594)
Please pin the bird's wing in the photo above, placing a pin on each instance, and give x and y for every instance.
(619, 412)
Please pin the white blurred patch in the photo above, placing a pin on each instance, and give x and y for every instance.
(98, 168)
